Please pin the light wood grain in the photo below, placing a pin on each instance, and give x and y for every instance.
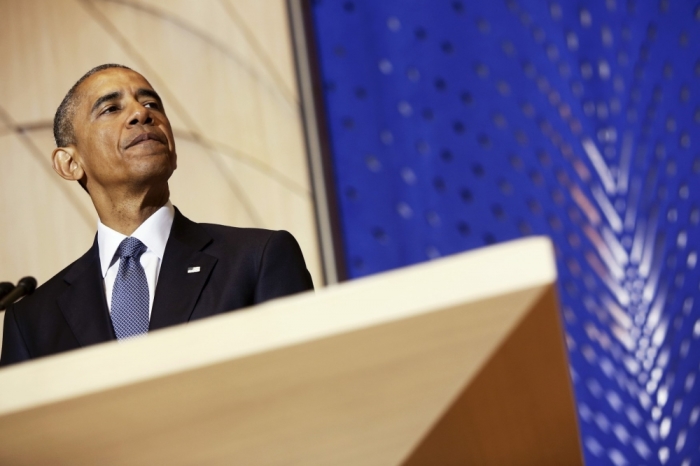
(357, 374)
(518, 410)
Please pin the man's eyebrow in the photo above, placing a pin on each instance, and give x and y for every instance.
(106, 98)
(149, 93)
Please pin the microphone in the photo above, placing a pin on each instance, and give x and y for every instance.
(25, 286)
(5, 287)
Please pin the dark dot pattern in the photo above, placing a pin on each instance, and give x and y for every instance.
(489, 121)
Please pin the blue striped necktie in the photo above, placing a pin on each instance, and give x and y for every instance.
(130, 292)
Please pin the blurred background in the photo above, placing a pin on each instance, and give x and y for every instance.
(415, 129)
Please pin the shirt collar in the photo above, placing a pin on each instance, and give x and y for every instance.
(153, 232)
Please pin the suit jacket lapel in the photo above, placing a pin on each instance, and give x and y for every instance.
(84, 304)
(177, 290)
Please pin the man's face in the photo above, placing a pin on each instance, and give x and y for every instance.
(123, 137)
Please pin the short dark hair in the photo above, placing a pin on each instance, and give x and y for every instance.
(63, 131)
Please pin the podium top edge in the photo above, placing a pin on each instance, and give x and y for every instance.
(416, 290)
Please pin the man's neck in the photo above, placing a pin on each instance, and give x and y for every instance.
(125, 213)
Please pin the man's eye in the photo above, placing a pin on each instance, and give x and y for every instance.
(110, 109)
(151, 105)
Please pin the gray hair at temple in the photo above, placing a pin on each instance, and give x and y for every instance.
(63, 131)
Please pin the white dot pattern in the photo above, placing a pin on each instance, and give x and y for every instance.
(130, 293)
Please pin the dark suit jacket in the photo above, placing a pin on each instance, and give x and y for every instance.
(239, 267)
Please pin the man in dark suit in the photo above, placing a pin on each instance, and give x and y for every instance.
(149, 267)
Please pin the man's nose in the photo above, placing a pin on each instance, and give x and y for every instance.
(140, 115)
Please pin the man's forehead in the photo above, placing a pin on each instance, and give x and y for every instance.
(111, 80)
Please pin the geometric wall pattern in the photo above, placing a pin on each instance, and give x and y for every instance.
(457, 124)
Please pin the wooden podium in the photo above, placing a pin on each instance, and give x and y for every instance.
(457, 361)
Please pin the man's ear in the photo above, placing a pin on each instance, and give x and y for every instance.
(65, 163)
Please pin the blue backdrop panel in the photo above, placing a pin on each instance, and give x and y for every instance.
(458, 124)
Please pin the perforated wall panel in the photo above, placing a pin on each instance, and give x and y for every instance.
(459, 124)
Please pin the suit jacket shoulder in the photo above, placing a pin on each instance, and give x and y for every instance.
(67, 311)
(264, 251)
(259, 264)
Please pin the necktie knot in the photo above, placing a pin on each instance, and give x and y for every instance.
(131, 247)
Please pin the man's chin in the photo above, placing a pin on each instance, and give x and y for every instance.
(153, 169)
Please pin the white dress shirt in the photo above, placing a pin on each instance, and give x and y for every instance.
(154, 233)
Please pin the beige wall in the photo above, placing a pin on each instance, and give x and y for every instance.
(225, 72)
